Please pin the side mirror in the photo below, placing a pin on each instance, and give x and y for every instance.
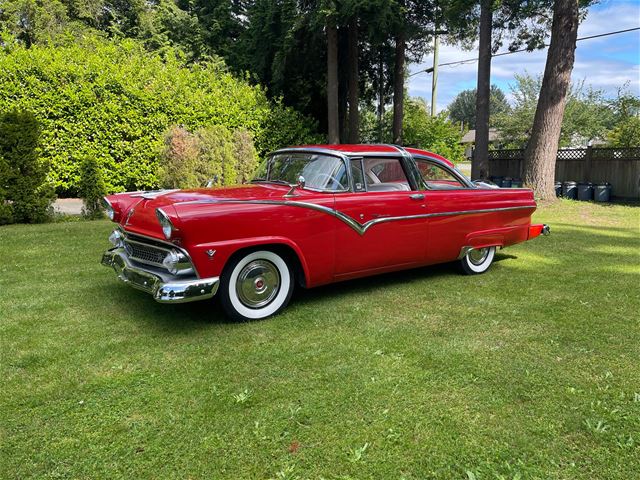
(301, 183)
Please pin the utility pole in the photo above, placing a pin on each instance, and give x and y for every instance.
(434, 78)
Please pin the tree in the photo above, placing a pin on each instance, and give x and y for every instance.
(436, 134)
(588, 114)
(463, 108)
(354, 80)
(480, 164)
(398, 87)
(333, 121)
(540, 154)
(23, 173)
(625, 134)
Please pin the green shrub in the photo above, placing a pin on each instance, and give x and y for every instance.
(113, 101)
(245, 155)
(421, 130)
(210, 155)
(436, 134)
(285, 127)
(179, 160)
(216, 155)
(25, 194)
(625, 134)
(91, 188)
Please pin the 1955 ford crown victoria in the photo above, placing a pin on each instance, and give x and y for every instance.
(313, 215)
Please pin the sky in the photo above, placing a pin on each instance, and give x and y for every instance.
(604, 63)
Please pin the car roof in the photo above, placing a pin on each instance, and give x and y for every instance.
(373, 148)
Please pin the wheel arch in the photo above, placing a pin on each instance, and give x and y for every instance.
(287, 249)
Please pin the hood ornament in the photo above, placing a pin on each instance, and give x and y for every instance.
(129, 215)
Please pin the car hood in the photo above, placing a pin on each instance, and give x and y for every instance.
(138, 209)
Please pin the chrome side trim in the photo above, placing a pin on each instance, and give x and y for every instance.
(358, 227)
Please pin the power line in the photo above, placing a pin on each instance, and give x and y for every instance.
(468, 60)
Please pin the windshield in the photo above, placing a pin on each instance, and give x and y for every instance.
(320, 172)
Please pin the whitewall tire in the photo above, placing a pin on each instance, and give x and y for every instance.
(256, 285)
(477, 260)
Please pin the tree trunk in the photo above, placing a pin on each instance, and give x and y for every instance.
(354, 116)
(333, 124)
(480, 161)
(343, 83)
(380, 95)
(542, 149)
(398, 88)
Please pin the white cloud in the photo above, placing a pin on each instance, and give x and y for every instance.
(605, 63)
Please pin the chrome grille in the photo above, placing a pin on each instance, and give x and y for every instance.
(145, 253)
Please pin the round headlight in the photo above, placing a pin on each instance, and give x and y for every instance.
(108, 208)
(165, 223)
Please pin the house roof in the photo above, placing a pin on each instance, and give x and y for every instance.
(470, 136)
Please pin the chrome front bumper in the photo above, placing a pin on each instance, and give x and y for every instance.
(164, 288)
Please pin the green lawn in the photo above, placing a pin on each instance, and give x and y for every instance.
(529, 371)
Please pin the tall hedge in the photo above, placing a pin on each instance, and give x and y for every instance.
(25, 193)
(113, 101)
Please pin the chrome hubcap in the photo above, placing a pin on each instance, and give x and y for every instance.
(258, 283)
(478, 256)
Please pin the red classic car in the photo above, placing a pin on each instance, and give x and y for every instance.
(313, 215)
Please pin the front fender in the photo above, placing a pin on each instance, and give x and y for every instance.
(211, 258)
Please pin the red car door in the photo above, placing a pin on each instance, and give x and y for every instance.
(383, 224)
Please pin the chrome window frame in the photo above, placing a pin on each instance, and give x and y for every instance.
(319, 151)
(467, 184)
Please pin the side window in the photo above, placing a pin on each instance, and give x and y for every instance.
(358, 176)
(437, 178)
(385, 175)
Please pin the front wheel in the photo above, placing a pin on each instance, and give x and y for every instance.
(477, 260)
(256, 285)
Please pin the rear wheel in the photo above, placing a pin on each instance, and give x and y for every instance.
(256, 285)
(477, 260)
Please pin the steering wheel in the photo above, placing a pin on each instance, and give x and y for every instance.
(332, 178)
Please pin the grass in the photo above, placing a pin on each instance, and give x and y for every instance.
(529, 371)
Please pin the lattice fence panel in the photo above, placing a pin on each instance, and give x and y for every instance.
(616, 153)
(572, 154)
(507, 154)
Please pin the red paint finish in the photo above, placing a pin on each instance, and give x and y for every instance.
(535, 231)
(335, 236)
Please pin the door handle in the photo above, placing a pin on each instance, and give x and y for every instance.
(417, 196)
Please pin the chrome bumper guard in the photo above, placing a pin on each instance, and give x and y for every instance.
(163, 289)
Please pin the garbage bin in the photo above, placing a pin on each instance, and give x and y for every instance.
(506, 182)
(602, 192)
(558, 189)
(570, 190)
(585, 191)
(496, 179)
(516, 183)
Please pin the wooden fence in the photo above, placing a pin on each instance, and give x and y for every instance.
(618, 166)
